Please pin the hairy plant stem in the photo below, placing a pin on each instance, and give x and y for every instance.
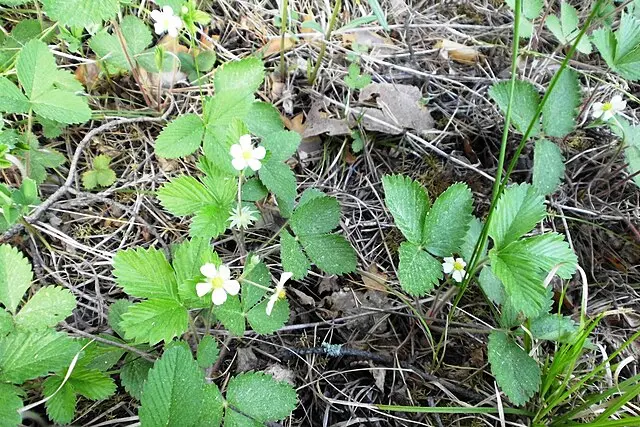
(334, 15)
(502, 180)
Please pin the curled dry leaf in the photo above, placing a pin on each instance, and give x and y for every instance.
(458, 52)
(88, 74)
(274, 46)
(319, 122)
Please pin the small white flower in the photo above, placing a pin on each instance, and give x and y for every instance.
(242, 218)
(165, 20)
(279, 292)
(218, 282)
(245, 155)
(607, 110)
(455, 267)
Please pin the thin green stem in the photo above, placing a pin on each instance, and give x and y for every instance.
(334, 15)
(283, 32)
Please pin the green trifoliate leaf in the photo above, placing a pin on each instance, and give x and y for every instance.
(155, 320)
(36, 68)
(264, 324)
(61, 406)
(525, 103)
(11, 98)
(172, 394)
(10, 402)
(28, 355)
(354, 79)
(521, 277)
(471, 238)
(517, 374)
(279, 179)
(560, 110)
(448, 220)
(319, 216)
(621, 49)
(49, 306)
(144, 273)
(100, 356)
(242, 78)
(81, 13)
(253, 190)
(101, 174)
(519, 209)
(565, 28)
(548, 166)
(181, 137)
(134, 373)
(257, 272)
(61, 106)
(6, 323)
(208, 351)
(137, 38)
(282, 145)
(418, 271)
(331, 253)
(546, 251)
(553, 328)
(15, 277)
(292, 257)
(231, 315)
(92, 384)
(212, 407)
(39, 159)
(408, 203)
(261, 397)
(264, 120)
(184, 195)
(116, 310)
(210, 221)
(190, 255)
(491, 285)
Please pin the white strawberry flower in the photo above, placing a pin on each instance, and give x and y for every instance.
(245, 155)
(279, 292)
(455, 267)
(165, 20)
(218, 282)
(242, 218)
(607, 110)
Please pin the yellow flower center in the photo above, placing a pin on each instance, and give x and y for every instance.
(458, 266)
(607, 106)
(217, 282)
(282, 294)
(247, 154)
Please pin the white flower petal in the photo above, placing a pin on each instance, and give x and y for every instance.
(236, 151)
(254, 164)
(239, 164)
(232, 287)
(271, 303)
(447, 267)
(259, 152)
(224, 273)
(597, 109)
(155, 15)
(158, 28)
(458, 275)
(285, 277)
(218, 296)
(203, 288)
(461, 262)
(449, 260)
(245, 142)
(172, 31)
(606, 115)
(167, 10)
(209, 270)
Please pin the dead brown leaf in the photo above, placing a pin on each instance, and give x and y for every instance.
(398, 105)
(88, 74)
(373, 279)
(274, 46)
(319, 122)
(458, 52)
